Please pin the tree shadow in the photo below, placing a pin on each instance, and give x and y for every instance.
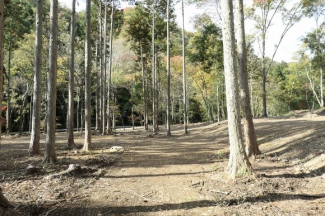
(119, 210)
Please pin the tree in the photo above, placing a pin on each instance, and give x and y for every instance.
(104, 113)
(249, 130)
(35, 135)
(154, 72)
(168, 72)
(50, 156)
(18, 22)
(238, 161)
(1, 59)
(87, 144)
(109, 125)
(264, 19)
(184, 72)
(71, 78)
(316, 9)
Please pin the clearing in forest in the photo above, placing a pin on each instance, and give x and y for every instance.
(181, 175)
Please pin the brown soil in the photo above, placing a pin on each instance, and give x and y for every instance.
(181, 175)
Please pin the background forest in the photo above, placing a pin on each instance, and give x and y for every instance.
(288, 85)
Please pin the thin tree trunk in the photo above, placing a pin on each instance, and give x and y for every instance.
(144, 90)
(249, 130)
(8, 126)
(71, 78)
(104, 73)
(34, 146)
(184, 72)
(218, 102)
(87, 143)
(154, 120)
(50, 156)
(264, 76)
(238, 161)
(109, 124)
(168, 73)
(101, 104)
(97, 87)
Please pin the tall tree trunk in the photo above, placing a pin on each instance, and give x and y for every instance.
(264, 76)
(8, 126)
(101, 70)
(34, 146)
(71, 78)
(97, 87)
(144, 90)
(249, 130)
(87, 143)
(1, 60)
(184, 72)
(50, 156)
(238, 161)
(154, 120)
(168, 72)
(104, 114)
(109, 124)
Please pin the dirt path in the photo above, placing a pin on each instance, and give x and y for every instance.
(182, 175)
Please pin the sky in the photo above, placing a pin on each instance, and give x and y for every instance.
(289, 45)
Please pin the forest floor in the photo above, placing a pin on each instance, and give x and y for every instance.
(181, 175)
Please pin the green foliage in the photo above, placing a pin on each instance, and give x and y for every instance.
(205, 46)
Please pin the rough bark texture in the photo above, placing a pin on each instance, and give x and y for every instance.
(34, 146)
(238, 161)
(71, 78)
(249, 130)
(50, 156)
(109, 124)
(168, 74)
(1, 58)
(87, 143)
(184, 72)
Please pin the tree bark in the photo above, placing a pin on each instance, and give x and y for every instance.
(8, 125)
(34, 146)
(249, 130)
(101, 102)
(87, 143)
(71, 78)
(168, 72)
(104, 114)
(1, 60)
(109, 123)
(154, 120)
(144, 91)
(184, 73)
(50, 156)
(238, 161)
